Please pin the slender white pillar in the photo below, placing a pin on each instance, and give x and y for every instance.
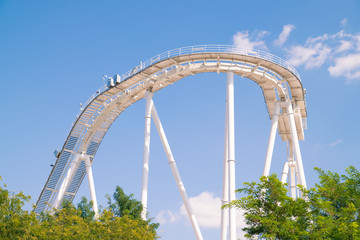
(285, 172)
(65, 183)
(292, 180)
(293, 177)
(91, 185)
(231, 152)
(297, 177)
(225, 190)
(270, 149)
(145, 172)
(175, 172)
(296, 145)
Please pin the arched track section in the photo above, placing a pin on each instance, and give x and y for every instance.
(277, 79)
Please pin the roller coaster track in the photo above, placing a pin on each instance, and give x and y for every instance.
(278, 80)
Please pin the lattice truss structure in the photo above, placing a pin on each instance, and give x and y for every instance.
(279, 81)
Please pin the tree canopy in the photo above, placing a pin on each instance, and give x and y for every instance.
(329, 210)
(74, 222)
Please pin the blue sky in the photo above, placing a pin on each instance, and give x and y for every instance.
(53, 55)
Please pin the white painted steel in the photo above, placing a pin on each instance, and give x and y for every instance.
(277, 79)
(292, 180)
(270, 149)
(225, 185)
(91, 186)
(175, 172)
(298, 192)
(285, 172)
(292, 166)
(296, 146)
(65, 183)
(231, 152)
(145, 172)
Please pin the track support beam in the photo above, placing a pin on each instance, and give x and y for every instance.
(65, 183)
(91, 186)
(145, 171)
(231, 151)
(295, 143)
(270, 149)
(225, 186)
(175, 172)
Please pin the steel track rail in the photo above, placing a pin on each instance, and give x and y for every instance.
(277, 79)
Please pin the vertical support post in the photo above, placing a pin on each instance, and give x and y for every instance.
(231, 152)
(285, 172)
(65, 183)
(225, 190)
(296, 145)
(91, 185)
(292, 181)
(293, 177)
(145, 171)
(270, 149)
(175, 172)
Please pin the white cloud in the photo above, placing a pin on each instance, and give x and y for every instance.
(332, 144)
(284, 34)
(344, 46)
(348, 66)
(357, 39)
(254, 41)
(207, 210)
(336, 142)
(340, 51)
(310, 55)
(167, 216)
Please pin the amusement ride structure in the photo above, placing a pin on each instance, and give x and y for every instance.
(283, 93)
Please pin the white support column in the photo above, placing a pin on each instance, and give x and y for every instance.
(296, 145)
(175, 172)
(225, 190)
(231, 152)
(145, 172)
(293, 177)
(270, 149)
(285, 172)
(297, 177)
(91, 185)
(65, 183)
(292, 180)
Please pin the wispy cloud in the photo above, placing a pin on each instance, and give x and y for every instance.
(338, 52)
(335, 143)
(332, 144)
(348, 66)
(284, 35)
(250, 41)
(343, 22)
(344, 46)
(311, 55)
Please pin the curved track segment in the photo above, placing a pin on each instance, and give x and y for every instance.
(277, 79)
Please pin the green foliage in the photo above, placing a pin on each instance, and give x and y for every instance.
(16, 223)
(125, 204)
(86, 209)
(330, 210)
(269, 212)
(72, 222)
(335, 205)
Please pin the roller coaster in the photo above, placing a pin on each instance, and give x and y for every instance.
(284, 97)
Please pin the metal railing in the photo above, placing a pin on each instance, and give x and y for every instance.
(210, 49)
(193, 50)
